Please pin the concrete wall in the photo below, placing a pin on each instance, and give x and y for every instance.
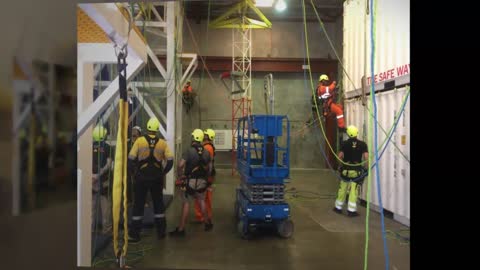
(213, 109)
(283, 40)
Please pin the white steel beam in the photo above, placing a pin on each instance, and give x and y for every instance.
(38, 91)
(191, 72)
(16, 179)
(148, 109)
(192, 62)
(112, 21)
(100, 53)
(137, 84)
(87, 117)
(171, 99)
(159, 112)
(150, 24)
(156, 32)
(109, 110)
(160, 51)
(130, 119)
(157, 63)
(157, 15)
(84, 165)
(97, 68)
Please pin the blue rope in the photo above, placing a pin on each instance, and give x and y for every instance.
(377, 170)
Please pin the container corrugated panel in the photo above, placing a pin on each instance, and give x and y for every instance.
(392, 46)
(394, 164)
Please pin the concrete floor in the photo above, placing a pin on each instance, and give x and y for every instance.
(322, 238)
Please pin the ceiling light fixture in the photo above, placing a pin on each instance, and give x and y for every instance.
(264, 3)
(280, 5)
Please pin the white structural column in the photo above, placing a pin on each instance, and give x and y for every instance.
(84, 165)
(51, 115)
(16, 152)
(170, 184)
(148, 110)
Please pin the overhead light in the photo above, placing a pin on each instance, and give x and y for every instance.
(264, 3)
(280, 5)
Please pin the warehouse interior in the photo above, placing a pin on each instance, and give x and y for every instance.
(247, 61)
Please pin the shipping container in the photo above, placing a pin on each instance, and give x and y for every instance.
(394, 165)
(391, 79)
(392, 45)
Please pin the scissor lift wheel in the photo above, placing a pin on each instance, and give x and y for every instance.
(236, 211)
(242, 228)
(285, 228)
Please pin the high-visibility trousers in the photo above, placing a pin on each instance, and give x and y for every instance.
(337, 109)
(352, 197)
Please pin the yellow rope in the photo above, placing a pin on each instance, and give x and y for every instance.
(120, 179)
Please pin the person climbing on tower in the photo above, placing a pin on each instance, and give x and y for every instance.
(188, 95)
(326, 93)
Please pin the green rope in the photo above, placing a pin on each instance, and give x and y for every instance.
(346, 73)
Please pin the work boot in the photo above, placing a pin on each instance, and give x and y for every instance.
(177, 233)
(134, 232)
(161, 225)
(208, 226)
(352, 214)
(336, 210)
(133, 237)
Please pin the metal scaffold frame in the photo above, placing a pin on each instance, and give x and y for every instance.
(111, 25)
(241, 64)
(241, 73)
(240, 108)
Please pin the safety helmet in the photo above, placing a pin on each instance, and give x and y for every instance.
(99, 133)
(153, 124)
(352, 131)
(189, 81)
(323, 77)
(210, 133)
(197, 135)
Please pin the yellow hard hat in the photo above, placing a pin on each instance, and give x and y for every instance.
(323, 77)
(153, 124)
(210, 133)
(99, 133)
(197, 135)
(352, 131)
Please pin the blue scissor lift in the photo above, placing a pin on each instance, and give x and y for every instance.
(263, 153)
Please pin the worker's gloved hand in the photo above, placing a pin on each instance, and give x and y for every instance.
(180, 181)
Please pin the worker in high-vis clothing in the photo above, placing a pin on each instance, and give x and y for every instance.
(188, 95)
(209, 137)
(101, 166)
(193, 170)
(136, 133)
(150, 159)
(353, 151)
(326, 93)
